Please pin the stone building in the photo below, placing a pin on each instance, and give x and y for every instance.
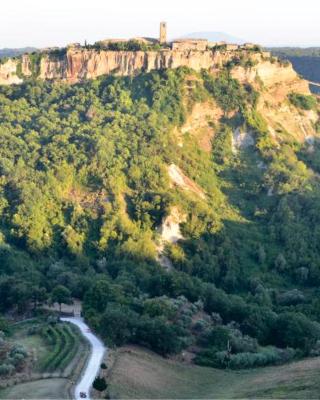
(249, 46)
(190, 44)
(163, 32)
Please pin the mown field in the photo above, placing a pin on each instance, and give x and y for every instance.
(140, 374)
(57, 353)
(55, 388)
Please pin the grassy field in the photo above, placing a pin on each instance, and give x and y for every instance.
(41, 389)
(34, 344)
(137, 373)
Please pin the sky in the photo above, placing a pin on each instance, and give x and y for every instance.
(42, 23)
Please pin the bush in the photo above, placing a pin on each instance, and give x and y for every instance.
(291, 298)
(6, 369)
(266, 356)
(222, 146)
(262, 357)
(100, 384)
(243, 344)
(227, 91)
(297, 331)
(218, 337)
(4, 325)
(303, 101)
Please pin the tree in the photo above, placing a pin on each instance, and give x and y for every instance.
(118, 324)
(100, 384)
(38, 295)
(295, 330)
(61, 294)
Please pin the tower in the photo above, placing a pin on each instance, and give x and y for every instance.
(163, 32)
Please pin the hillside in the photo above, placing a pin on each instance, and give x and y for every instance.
(140, 374)
(16, 52)
(181, 205)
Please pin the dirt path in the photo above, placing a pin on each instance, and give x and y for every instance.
(93, 365)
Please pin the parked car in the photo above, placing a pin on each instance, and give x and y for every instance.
(83, 395)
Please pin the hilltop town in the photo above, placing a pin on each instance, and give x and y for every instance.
(125, 57)
(162, 43)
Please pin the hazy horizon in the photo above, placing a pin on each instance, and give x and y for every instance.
(272, 23)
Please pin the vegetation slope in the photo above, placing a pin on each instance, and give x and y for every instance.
(85, 185)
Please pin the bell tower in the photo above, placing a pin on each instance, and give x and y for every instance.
(163, 32)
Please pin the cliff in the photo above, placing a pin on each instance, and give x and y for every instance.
(8, 73)
(274, 82)
(77, 64)
(272, 79)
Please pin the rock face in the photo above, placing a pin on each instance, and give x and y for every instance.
(277, 83)
(88, 64)
(78, 63)
(270, 78)
(241, 140)
(169, 233)
(202, 122)
(179, 179)
(8, 73)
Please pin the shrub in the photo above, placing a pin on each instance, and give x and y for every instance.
(266, 356)
(227, 91)
(291, 297)
(218, 337)
(243, 344)
(222, 145)
(6, 369)
(100, 384)
(262, 357)
(303, 101)
(297, 331)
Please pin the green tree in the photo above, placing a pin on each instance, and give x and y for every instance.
(60, 294)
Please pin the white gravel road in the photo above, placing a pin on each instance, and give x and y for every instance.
(93, 365)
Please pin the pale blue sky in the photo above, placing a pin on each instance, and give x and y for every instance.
(43, 23)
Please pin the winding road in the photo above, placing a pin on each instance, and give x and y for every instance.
(93, 365)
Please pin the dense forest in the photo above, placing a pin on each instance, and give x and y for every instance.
(84, 186)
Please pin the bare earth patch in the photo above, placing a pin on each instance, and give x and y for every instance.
(181, 180)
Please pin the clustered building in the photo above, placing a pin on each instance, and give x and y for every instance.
(198, 44)
(176, 44)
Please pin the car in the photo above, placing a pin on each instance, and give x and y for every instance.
(83, 395)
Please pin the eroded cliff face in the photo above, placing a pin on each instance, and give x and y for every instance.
(88, 64)
(79, 64)
(8, 73)
(275, 82)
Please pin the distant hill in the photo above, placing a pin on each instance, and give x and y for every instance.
(296, 51)
(16, 52)
(305, 61)
(215, 37)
